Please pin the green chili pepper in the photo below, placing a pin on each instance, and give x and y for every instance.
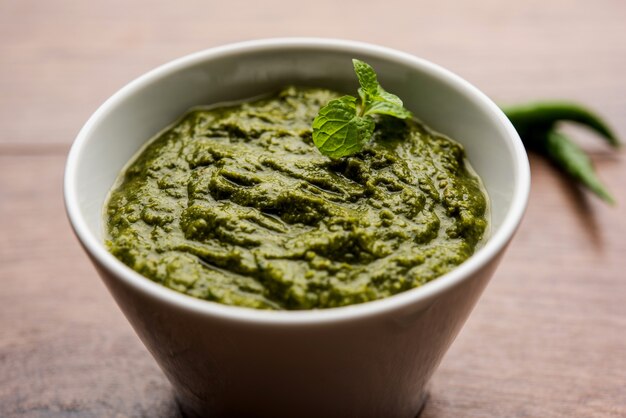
(545, 115)
(536, 124)
(573, 161)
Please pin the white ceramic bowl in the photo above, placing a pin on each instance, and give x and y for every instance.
(367, 360)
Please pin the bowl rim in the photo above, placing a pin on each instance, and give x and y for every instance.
(483, 256)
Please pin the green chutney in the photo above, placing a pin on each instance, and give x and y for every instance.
(236, 205)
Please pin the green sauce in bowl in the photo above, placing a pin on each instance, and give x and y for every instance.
(236, 205)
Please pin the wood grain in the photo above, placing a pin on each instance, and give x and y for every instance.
(548, 338)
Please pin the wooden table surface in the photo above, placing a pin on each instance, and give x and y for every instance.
(548, 338)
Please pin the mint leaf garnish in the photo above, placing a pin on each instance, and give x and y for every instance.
(342, 127)
(338, 131)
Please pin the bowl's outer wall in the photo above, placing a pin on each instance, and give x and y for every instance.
(371, 365)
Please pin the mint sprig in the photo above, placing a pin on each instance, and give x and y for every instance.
(343, 127)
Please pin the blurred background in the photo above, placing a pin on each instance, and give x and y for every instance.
(549, 336)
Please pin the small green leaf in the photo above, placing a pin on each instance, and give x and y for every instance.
(374, 99)
(389, 109)
(388, 97)
(367, 79)
(338, 131)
